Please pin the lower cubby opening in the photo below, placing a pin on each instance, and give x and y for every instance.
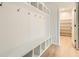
(46, 44)
(29, 54)
(50, 41)
(37, 51)
(42, 47)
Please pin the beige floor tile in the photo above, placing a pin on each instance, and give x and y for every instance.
(66, 48)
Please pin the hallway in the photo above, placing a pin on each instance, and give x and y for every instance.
(66, 48)
(32, 29)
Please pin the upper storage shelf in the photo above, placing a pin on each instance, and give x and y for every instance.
(40, 6)
(34, 4)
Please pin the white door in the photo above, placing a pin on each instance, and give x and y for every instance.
(75, 26)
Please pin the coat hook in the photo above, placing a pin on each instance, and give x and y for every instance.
(74, 25)
(75, 10)
(18, 9)
(1, 4)
(29, 13)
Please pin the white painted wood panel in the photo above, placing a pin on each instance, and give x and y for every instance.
(20, 32)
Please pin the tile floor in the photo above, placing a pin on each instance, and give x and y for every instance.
(66, 48)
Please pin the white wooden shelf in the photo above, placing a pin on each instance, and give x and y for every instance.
(40, 6)
(40, 49)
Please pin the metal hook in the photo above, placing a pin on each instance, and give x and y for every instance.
(29, 13)
(18, 9)
(1, 4)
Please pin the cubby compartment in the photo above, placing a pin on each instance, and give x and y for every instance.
(34, 4)
(40, 6)
(29, 54)
(50, 40)
(47, 11)
(46, 44)
(37, 51)
(42, 47)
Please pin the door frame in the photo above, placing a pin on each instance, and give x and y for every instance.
(71, 25)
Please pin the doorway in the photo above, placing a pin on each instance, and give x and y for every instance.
(66, 40)
(65, 16)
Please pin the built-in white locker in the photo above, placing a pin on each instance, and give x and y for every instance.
(23, 28)
(14, 31)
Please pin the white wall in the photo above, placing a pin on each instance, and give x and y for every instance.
(54, 15)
